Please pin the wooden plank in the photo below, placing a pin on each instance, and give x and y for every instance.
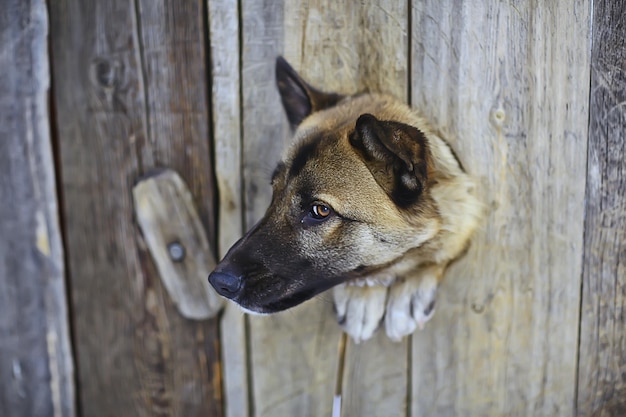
(264, 136)
(131, 94)
(177, 242)
(375, 377)
(226, 105)
(302, 343)
(602, 361)
(172, 39)
(508, 85)
(36, 368)
(350, 47)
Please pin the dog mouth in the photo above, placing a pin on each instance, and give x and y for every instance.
(260, 291)
(280, 304)
(284, 297)
(267, 293)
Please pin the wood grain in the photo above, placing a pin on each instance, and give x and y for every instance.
(225, 69)
(508, 85)
(602, 359)
(351, 47)
(131, 94)
(36, 368)
(293, 355)
(375, 378)
(264, 128)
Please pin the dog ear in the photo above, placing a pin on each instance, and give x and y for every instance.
(299, 98)
(396, 154)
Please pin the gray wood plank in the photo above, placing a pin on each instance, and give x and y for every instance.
(508, 85)
(131, 95)
(36, 368)
(602, 359)
(173, 52)
(225, 51)
(293, 355)
(265, 131)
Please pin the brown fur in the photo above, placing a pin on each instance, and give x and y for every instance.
(402, 210)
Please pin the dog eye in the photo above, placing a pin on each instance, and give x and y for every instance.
(317, 214)
(320, 211)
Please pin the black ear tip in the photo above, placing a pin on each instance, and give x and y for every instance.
(365, 121)
(283, 67)
(285, 72)
(366, 118)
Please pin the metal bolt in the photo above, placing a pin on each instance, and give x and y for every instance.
(176, 251)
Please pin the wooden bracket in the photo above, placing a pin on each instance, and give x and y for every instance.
(177, 241)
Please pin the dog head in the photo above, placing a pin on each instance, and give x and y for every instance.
(350, 197)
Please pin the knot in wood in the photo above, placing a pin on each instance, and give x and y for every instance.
(105, 73)
(478, 308)
(498, 116)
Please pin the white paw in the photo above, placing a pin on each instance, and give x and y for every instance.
(411, 304)
(359, 309)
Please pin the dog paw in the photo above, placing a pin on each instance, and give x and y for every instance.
(411, 304)
(360, 310)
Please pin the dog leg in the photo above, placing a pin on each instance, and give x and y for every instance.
(360, 309)
(411, 302)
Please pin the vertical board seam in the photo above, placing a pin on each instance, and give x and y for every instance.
(61, 210)
(142, 77)
(244, 208)
(409, 54)
(206, 23)
(337, 399)
(142, 84)
(582, 260)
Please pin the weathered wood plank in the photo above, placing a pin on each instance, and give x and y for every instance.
(301, 343)
(508, 84)
(131, 94)
(263, 139)
(602, 359)
(36, 368)
(264, 136)
(226, 105)
(375, 377)
(172, 39)
(349, 46)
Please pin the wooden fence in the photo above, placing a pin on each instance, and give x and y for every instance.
(94, 94)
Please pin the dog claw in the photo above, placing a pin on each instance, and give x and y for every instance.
(359, 310)
(411, 305)
(421, 314)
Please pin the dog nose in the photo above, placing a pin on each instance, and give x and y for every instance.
(226, 284)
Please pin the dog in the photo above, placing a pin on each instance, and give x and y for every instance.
(369, 200)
